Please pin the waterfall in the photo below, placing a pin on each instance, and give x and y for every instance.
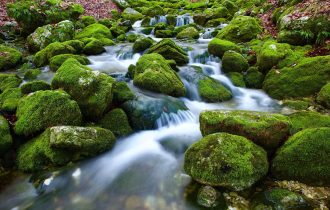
(158, 19)
(184, 20)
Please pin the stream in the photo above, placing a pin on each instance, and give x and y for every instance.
(143, 170)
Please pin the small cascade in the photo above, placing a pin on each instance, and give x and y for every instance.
(208, 33)
(158, 19)
(172, 119)
(192, 90)
(184, 20)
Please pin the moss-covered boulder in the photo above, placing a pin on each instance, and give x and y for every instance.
(241, 29)
(310, 73)
(43, 36)
(211, 90)
(75, 44)
(143, 43)
(131, 14)
(307, 119)
(209, 197)
(218, 47)
(9, 99)
(226, 160)
(122, 93)
(58, 60)
(6, 140)
(154, 73)
(60, 145)
(91, 89)
(32, 74)
(171, 51)
(9, 57)
(188, 33)
(116, 121)
(94, 47)
(34, 86)
(164, 33)
(9, 81)
(271, 53)
(312, 163)
(43, 109)
(279, 198)
(253, 78)
(265, 129)
(234, 62)
(237, 79)
(95, 30)
(155, 11)
(323, 96)
(43, 57)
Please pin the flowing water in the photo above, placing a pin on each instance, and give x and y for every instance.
(143, 170)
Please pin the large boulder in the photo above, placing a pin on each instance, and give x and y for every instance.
(302, 80)
(241, 29)
(323, 96)
(56, 61)
(131, 15)
(307, 119)
(234, 62)
(305, 157)
(60, 145)
(188, 33)
(218, 47)
(43, 109)
(226, 160)
(95, 30)
(9, 81)
(265, 129)
(34, 86)
(143, 43)
(43, 36)
(91, 89)
(253, 78)
(271, 53)
(171, 51)
(9, 57)
(9, 99)
(154, 73)
(6, 140)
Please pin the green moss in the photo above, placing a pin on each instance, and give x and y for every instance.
(95, 30)
(91, 89)
(122, 93)
(234, 62)
(32, 74)
(237, 79)
(34, 86)
(9, 81)
(296, 104)
(63, 144)
(188, 33)
(271, 54)
(216, 22)
(9, 99)
(324, 96)
(131, 14)
(131, 37)
(42, 109)
(116, 121)
(211, 90)
(294, 57)
(94, 47)
(226, 160)
(58, 60)
(265, 129)
(142, 44)
(43, 57)
(218, 47)
(307, 119)
(164, 33)
(6, 140)
(278, 198)
(43, 36)
(309, 73)
(305, 157)
(76, 44)
(231, 6)
(170, 51)
(253, 78)
(87, 20)
(241, 29)
(155, 74)
(9, 57)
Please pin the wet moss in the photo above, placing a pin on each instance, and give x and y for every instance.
(34, 86)
(142, 44)
(6, 140)
(95, 30)
(218, 47)
(237, 79)
(122, 93)
(254, 78)
(32, 74)
(9, 81)
(234, 62)
(188, 33)
(94, 47)
(9, 99)
(9, 57)
(305, 158)
(226, 160)
(211, 90)
(58, 60)
(323, 96)
(308, 119)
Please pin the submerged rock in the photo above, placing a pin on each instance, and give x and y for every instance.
(91, 89)
(154, 73)
(169, 50)
(265, 129)
(42, 109)
(304, 157)
(226, 160)
(9, 57)
(63, 144)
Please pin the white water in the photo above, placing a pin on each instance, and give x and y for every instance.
(146, 165)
